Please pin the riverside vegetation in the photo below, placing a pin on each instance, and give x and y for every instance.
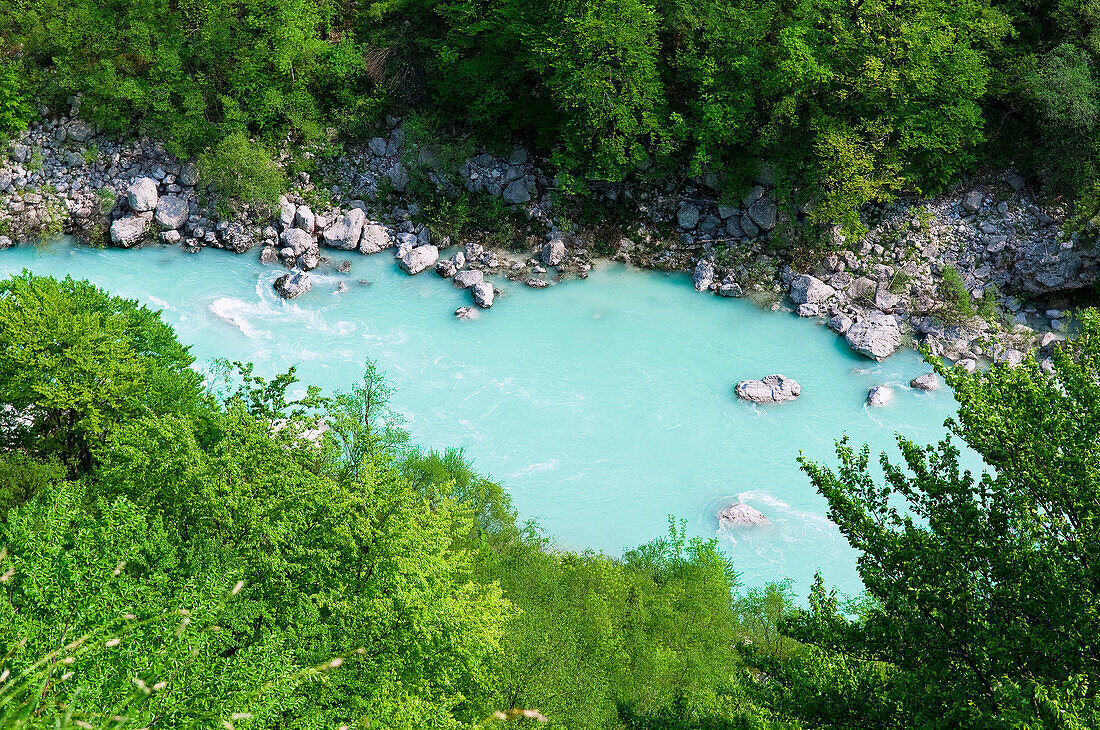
(185, 551)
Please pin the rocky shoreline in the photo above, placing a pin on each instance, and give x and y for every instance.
(1000, 250)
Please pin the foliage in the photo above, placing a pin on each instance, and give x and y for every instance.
(15, 107)
(231, 552)
(242, 171)
(982, 607)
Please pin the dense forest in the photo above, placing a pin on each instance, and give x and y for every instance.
(855, 100)
(186, 549)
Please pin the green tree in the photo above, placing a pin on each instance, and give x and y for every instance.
(983, 588)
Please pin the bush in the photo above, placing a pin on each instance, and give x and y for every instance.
(243, 172)
(15, 107)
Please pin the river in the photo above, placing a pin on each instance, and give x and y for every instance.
(603, 406)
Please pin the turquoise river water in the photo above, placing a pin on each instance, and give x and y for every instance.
(603, 406)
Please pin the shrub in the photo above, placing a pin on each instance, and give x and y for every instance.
(243, 172)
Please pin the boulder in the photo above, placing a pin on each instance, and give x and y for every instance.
(445, 268)
(419, 258)
(129, 230)
(516, 193)
(876, 336)
(375, 238)
(1010, 358)
(172, 212)
(189, 176)
(968, 364)
(730, 289)
(764, 213)
(298, 241)
(399, 177)
(771, 389)
(142, 195)
(483, 294)
(880, 395)
(839, 323)
(741, 515)
(304, 219)
(286, 213)
(972, 201)
(928, 381)
(79, 131)
(553, 253)
(703, 276)
(346, 231)
(466, 279)
(687, 217)
(293, 285)
(806, 289)
(269, 256)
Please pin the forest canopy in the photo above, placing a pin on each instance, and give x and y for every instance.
(856, 99)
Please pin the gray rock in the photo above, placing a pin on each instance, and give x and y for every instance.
(304, 219)
(730, 289)
(764, 213)
(465, 313)
(1048, 339)
(74, 159)
(171, 212)
(142, 195)
(189, 176)
(880, 395)
(419, 258)
(469, 278)
(171, 236)
(806, 289)
(473, 251)
(748, 227)
(928, 381)
(293, 285)
(687, 217)
(972, 201)
(286, 213)
(298, 241)
(375, 238)
(1015, 181)
(19, 153)
(129, 230)
(840, 323)
(79, 131)
(346, 231)
(377, 146)
(968, 364)
(1010, 358)
(741, 515)
(399, 177)
(771, 389)
(875, 336)
(446, 268)
(269, 256)
(553, 252)
(516, 193)
(483, 294)
(703, 276)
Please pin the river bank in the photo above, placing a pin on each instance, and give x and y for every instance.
(968, 274)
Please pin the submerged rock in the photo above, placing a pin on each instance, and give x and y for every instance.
(880, 395)
(293, 285)
(771, 389)
(740, 514)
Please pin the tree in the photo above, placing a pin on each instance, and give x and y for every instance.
(76, 362)
(984, 588)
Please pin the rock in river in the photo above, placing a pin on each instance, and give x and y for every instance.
(928, 381)
(417, 259)
(807, 289)
(129, 230)
(293, 285)
(483, 294)
(875, 336)
(703, 276)
(741, 515)
(772, 389)
(880, 395)
(466, 279)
